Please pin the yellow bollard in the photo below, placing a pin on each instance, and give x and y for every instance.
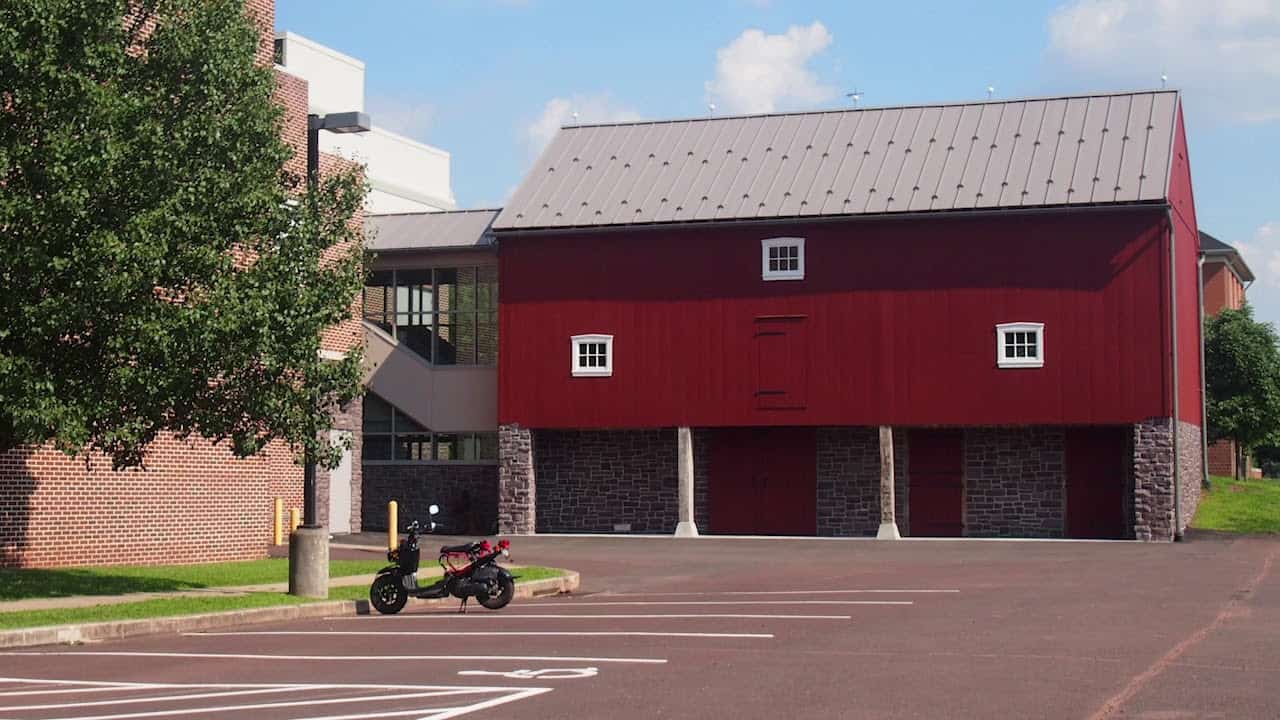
(277, 529)
(393, 527)
(295, 519)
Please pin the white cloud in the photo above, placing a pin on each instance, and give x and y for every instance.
(1262, 253)
(559, 112)
(759, 73)
(1224, 53)
(410, 118)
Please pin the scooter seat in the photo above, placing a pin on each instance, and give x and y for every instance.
(447, 549)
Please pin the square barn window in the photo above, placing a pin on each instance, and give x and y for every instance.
(1020, 345)
(782, 258)
(592, 355)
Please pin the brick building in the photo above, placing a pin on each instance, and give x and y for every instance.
(723, 322)
(1225, 277)
(194, 501)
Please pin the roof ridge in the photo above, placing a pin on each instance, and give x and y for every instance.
(907, 106)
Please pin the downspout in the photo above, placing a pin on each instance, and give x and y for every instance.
(1173, 356)
(1204, 390)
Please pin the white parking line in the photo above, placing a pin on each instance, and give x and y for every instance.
(506, 695)
(329, 658)
(589, 616)
(156, 698)
(78, 686)
(485, 633)
(265, 706)
(723, 602)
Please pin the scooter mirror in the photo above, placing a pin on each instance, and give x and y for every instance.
(433, 510)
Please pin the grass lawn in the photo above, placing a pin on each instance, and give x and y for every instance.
(1248, 506)
(118, 580)
(167, 607)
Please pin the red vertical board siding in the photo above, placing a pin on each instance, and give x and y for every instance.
(900, 324)
(1187, 235)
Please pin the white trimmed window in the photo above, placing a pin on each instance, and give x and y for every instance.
(592, 355)
(1020, 345)
(782, 258)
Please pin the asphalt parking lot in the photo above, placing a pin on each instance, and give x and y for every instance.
(745, 629)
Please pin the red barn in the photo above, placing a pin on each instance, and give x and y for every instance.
(1009, 287)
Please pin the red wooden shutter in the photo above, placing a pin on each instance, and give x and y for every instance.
(782, 361)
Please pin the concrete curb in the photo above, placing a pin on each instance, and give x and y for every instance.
(115, 630)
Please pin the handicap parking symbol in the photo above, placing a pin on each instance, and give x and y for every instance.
(543, 674)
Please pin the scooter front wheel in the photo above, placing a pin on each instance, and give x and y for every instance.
(506, 590)
(388, 595)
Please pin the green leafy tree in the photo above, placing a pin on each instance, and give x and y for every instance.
(1242, 379)
(161, 271)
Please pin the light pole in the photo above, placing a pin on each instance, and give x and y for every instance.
(309, 544)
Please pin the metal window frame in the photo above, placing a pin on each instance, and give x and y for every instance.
(391, 316)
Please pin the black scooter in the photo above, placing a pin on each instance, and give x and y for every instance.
(470, 570)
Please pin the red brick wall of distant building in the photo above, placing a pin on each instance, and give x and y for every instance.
(1222, 290)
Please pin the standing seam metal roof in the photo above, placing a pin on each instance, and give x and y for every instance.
(1063, 151)
(429, 230)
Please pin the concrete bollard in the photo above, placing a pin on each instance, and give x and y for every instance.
(295, 519)
(277, 523)
(393, 525)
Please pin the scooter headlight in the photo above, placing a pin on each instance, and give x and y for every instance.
(506, 553)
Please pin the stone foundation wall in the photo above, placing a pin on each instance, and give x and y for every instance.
(590, 481)
(467, 496)
(1190, 470)
(1014, 482)
(1152, 489)
(517, 485)
(848, 481)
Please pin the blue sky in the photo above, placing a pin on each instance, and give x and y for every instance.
(490, 80)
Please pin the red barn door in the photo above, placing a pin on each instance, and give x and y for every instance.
(763, 481)
(936, 493)
(1095, 482)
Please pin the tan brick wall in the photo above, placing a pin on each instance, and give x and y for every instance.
(193, 502)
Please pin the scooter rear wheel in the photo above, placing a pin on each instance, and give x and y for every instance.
(506, 590)
(388, 595)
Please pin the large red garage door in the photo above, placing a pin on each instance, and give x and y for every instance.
(763, 481)
(936, 493)
(1095, 482)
